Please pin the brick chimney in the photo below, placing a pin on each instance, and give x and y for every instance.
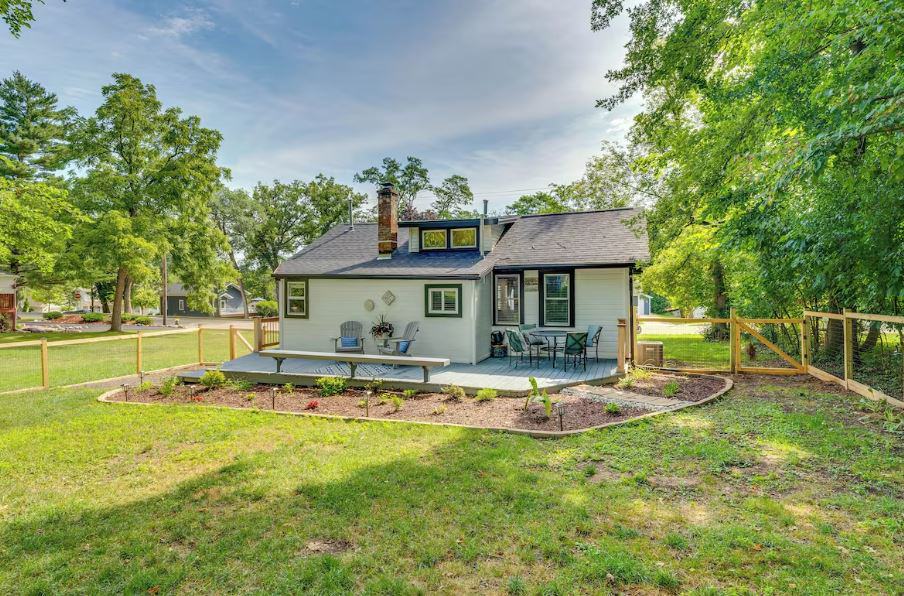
(387, 220)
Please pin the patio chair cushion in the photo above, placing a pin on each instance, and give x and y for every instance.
(403, 346)
(592, 330)
(348, 342)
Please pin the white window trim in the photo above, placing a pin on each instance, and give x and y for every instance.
(302, 299)
(452, 237)
(517, 279)
(182, 305)
(567, 299)
(443, 310)
(445, 239)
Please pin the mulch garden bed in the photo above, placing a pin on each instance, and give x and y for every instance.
(690, 387)
(501, 412)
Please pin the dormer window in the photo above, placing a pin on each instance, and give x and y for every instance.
(464, 238)
(433, 239)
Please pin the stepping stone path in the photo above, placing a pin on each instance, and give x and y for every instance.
(628, 399)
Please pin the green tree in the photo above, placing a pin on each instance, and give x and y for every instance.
(453, 197)
(539, 203)
(149, 174)
(408, 180)
(778, 126)
(32, 129)
(232, 212)
(18, 14)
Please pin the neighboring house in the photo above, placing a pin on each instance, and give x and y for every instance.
(644, 304)
(230, 302)
(8, 297)
(462, 279)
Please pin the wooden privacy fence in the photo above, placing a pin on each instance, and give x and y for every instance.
(861, 352)
(41, 364)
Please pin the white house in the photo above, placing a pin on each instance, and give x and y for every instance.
(462, 279)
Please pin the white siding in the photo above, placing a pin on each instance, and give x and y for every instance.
(491, 235)
(333, 301)
(414, 239)
(601, 298)
(484, 308)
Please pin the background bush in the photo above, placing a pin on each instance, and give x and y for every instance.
(267, 308)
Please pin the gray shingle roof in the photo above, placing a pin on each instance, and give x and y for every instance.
(566, 239)
(573, 239)
(347, 252)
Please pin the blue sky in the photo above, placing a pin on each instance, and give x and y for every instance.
(502, 92)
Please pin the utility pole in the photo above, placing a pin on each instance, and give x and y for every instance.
(163, 296)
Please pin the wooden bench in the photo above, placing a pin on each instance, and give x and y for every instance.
(354, 360)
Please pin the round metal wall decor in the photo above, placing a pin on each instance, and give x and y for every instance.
(369, 305)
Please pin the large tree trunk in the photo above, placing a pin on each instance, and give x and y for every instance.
(116, 319)
(127, 296)
(720, 300)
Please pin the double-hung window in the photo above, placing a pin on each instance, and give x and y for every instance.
(442, 300)
(508, 299)
(297, 298)
(557, 299)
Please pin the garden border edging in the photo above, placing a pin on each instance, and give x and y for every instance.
(538, 434)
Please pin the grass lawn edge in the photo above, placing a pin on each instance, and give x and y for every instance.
(538, 434)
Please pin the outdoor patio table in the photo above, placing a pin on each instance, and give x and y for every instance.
(552, 340)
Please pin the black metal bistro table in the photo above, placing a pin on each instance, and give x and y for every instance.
(552, 340)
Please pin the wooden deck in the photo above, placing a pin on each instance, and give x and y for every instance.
(492, 372)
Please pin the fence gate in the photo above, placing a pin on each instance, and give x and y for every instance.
(768, 346)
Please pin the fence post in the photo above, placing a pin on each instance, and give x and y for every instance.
(200, 345)
(848, 348)
(804, 345)
(732, 334)
(138, 355)
(621, 341)
(232, 342)
(45, 365)
(258, 339)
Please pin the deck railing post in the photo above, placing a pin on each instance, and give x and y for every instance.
(621, 341)
(635, 325)
(232, 332)
(258, 336)
(45, 365)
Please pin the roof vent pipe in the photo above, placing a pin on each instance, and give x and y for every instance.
(483, 217)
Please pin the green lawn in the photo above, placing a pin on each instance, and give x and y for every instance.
(20, 367)
(690, 350)
(775, 489)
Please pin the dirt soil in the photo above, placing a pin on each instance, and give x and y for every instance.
(690, 387)
(502, 412)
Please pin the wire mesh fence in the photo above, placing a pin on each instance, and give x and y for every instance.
(20, 367)
(826, 343)
(697, 344)
(768, 344)
(876, 358)
(166, 351)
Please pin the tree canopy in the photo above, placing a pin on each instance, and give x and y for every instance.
(774, 131)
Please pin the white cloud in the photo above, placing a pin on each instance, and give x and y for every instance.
(177, 26)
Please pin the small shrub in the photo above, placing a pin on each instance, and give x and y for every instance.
(385, 398)
(146, 386)
(266, 308)
(250, 396)
(396, 402)
(6, 323)
(626, 382)
(374, 386)
(239, 384)
(52, 315)
(613, 408)
(288, 388)
(169, 386)
(409, 393)
(547, 403)
(486, 394)
(331, 385)
(671, 389)
(454, 392)
(516, 586)
(312, 405)
(127, 316)
(213, 379)
(92, 317)
(362, 404)
(144, 320)
(640, 374)
(438, 410)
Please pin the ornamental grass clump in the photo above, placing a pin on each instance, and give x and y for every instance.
(454, 392)
(331, 385)
(486, 395)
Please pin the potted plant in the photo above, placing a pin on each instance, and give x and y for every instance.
(382, 329)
